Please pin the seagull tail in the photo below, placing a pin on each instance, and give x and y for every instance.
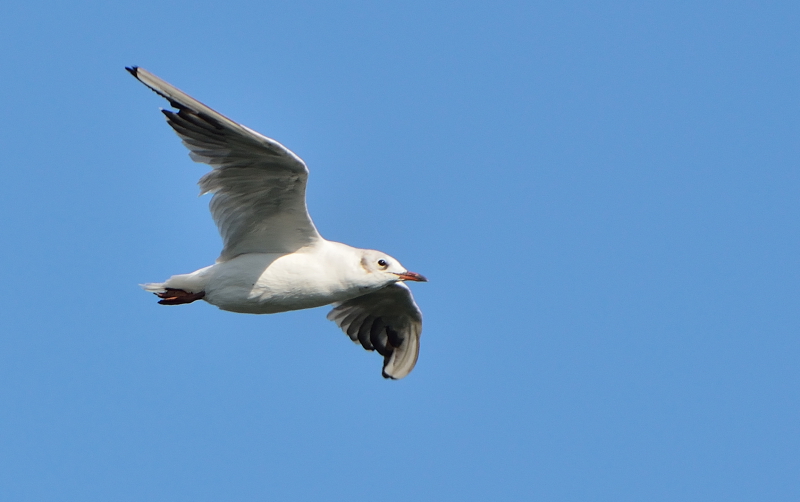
(154, 287)
(180, 289)
(172, 296)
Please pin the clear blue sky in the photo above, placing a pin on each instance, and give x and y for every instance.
(604, 195)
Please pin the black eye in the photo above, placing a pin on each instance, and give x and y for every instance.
(382, 263)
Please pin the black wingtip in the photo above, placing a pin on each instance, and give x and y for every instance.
(383, 371)
(133, 70)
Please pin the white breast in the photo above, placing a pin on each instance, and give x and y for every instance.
(269, 283)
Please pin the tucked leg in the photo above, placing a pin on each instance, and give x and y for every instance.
(178, 296)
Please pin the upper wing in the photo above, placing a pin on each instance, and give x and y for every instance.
(388, 321)
(259, 185)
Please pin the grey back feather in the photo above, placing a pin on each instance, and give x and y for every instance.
(258, 185)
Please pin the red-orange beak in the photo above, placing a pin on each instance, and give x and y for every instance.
(412, 276)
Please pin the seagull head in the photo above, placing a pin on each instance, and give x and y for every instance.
(385, 270)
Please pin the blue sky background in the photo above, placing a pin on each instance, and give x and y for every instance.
(604, 196)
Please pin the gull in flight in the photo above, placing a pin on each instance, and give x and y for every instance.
(273, 259)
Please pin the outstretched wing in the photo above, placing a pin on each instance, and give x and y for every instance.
(388, 321)
(259, 185)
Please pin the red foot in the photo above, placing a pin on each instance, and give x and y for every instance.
(178, 296)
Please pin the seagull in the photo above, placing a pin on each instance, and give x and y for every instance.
(273, 258)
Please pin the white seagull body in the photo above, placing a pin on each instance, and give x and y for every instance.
(273, 259)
